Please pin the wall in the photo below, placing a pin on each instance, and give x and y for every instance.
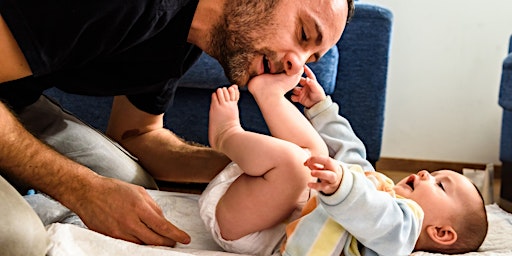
(443, 81)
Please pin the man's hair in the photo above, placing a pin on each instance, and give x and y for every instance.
(351, 7)
(471, 230)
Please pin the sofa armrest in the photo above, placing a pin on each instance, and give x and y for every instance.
(505, 97)
(505, 101)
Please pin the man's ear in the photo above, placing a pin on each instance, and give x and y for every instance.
(444, 235)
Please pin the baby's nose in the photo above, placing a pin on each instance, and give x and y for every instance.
(424, 175)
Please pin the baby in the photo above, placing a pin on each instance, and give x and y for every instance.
(251, 206)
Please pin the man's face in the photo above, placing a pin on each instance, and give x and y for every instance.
(274, 36)
(441, 194)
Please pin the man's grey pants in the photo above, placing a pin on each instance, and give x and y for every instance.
(21, 230)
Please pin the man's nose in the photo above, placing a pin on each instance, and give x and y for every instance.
(294, 63)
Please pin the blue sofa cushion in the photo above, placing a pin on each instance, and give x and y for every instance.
(362, 73)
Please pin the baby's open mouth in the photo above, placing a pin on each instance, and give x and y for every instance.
(410, 182)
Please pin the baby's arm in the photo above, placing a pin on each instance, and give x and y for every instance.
(342, 143)
(283, 119)
(353, 201)
(386, 225)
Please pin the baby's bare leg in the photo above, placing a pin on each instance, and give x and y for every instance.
(274, 174)
(255, 153)
(224, 120)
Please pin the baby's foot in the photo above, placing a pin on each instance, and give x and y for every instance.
(224, 119)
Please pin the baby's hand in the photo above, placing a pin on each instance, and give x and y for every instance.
(311, 91)
(328, 172)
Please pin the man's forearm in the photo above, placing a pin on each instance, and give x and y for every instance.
(25, 159)
(167, 157)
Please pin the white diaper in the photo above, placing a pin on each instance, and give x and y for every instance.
(265, 242)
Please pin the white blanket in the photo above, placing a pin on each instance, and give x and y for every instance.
(182, 210)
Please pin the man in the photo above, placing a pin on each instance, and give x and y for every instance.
(135, 50)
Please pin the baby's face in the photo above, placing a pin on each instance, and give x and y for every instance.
(441, 194)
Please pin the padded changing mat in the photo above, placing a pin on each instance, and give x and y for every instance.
(182, 210)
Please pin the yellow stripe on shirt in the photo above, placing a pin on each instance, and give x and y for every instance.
(328, 239)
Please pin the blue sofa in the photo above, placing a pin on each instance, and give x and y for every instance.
(505, 101)
(353, 72)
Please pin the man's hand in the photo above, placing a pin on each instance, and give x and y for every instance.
(328, 172)
(126, 211)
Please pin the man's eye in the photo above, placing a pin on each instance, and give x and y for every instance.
(304, 37)
(441, 185)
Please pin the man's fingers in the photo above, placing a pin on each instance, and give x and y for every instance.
(163, 230)
(169, 231)
(148, 236)
(132, 239)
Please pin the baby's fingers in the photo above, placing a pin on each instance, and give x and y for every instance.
(327, 176)
(319, 163)
(309, 72)
(295, 96)
(327, 182)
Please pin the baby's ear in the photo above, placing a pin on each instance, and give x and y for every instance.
(444, 235)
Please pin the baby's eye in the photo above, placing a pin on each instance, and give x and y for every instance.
(440, 185)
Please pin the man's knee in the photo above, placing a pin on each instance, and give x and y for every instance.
(21, 230)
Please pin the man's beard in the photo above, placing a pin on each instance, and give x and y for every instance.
(244, 24)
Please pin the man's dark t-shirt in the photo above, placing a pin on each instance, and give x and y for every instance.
(136, 48)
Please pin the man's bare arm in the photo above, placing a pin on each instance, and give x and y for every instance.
(106, 205)
(26, 159)
(161, 152)
(13, 64)
(109, 206)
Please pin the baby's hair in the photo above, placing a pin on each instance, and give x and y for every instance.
(471, 229)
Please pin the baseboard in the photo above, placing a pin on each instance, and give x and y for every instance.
(505, 205)
(384, 164)
(414, 165)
